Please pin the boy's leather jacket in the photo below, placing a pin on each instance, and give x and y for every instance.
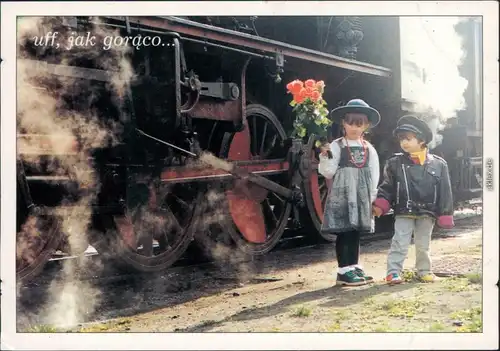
(416, 189)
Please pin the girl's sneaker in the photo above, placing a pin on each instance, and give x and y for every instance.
(393, 278)
(350, 279)
(360, 273)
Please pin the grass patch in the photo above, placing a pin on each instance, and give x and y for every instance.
(96, 328)
(340, 315)
(406, 308)
(474, 278)
(111, 326)
(459, 284)
(383, 328)
(332, 328)
(436, 327)
(302, 311)
(369, 301)
(472, 318)
(43, 328)
(408, 276)
(474, 250)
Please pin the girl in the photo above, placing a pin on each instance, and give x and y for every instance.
(348, 208)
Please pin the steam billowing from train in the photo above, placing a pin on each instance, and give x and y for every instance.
(43, 110)
(432, 52)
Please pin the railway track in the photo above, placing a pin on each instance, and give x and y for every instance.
(122, 295)
(88, 267)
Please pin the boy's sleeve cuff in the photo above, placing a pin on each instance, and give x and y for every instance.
(383, 204)
(445, 222)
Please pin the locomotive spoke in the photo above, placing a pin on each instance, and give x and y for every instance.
(278, 197)
(270, 148)
(147, 243)
(163, 242)
(181, 202)
(254, 135)
(323, 198)
(261, 151)
(173, 221)
(270, 207)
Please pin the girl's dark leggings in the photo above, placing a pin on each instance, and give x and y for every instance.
(347, 248)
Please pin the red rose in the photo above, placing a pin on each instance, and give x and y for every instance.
(320, 86)
(294, 86)
(315, 96)
(309, 91)
(301, 96)
(310, 83)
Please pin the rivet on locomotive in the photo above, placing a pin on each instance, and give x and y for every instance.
(209, 84)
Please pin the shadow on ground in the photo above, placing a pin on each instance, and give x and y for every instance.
(337, 297)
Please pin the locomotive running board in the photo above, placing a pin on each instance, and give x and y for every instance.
(207, 32)
(185, 174)
(34, 67)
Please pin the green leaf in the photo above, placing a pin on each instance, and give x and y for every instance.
(293, 103)
(302, 132)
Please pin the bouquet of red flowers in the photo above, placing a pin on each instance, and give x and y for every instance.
(310, 109)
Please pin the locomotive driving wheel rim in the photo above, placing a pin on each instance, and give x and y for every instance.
(315, 189)
(37, 239)
(151, 237)
(257, 217)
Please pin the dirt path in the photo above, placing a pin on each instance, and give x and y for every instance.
(306, 300)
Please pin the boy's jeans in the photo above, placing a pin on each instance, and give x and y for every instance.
(403, 228)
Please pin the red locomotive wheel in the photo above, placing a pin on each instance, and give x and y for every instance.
(315, 188)
(259, 216)
(37, 239)
(152, 237)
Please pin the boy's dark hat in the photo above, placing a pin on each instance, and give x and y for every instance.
(410, 123)
(356, 106)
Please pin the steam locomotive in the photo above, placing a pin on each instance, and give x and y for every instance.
(138, 193)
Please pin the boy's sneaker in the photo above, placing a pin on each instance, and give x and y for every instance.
(393, 278)
(350, 279)
(360, 273)
(427, 278)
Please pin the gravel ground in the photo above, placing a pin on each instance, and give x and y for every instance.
(294, 291)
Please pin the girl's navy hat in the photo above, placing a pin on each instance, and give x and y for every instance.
(356, 106)
(410, 123)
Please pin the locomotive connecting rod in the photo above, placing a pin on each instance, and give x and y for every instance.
(234, 170)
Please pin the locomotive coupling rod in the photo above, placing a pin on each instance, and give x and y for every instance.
(238, 172)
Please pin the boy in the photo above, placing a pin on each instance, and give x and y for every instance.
(417, 185)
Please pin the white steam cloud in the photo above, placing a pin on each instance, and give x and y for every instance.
(431, 53)
(42, 112)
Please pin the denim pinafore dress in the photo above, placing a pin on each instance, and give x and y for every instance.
(348, 205)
